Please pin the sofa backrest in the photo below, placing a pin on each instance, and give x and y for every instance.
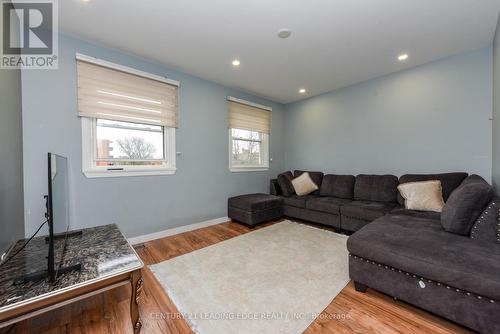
(284, 181)
(379, 188)
(466, 204)
(449, 182)
(341, 186)
(317, 178)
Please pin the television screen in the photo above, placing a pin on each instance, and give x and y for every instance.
(58, 212)
(59, 192)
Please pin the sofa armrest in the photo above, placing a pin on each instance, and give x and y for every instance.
(486, 229)
(275, 188)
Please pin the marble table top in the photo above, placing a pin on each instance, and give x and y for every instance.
(102, 251)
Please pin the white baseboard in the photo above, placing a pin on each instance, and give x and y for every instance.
(176, 230)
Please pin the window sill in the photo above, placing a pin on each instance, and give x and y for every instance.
(248, 169)
(91, 174)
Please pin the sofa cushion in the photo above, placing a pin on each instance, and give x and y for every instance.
(314, 216)
(449, 182)
(366, 210)
(255, 202)
(401, 210)
(465, 204)
(285, 183)
(317, 178)
(420, 246)
(304, 185)
(341, 186)
(380, 188)
(326, 204)
(297, 201)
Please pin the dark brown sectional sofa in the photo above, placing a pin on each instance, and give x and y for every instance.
(348, 203)
(447, 263)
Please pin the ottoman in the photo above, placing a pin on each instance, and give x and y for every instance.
(253, 209)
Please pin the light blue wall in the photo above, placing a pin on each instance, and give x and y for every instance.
(496, 110)
(432, 118)
(11, 148)
(139, 205)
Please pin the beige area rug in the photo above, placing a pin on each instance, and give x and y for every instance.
(273, 280)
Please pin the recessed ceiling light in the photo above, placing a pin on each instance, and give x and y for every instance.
(302, 91)
(403, 56)
(236, 63)
(284, 33)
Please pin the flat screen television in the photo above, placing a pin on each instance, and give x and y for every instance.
(57, 215)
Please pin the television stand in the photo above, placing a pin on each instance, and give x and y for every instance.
(43, 274)
(107, 262)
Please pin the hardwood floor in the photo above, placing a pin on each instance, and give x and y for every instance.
(349, 312)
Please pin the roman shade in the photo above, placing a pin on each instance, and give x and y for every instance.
(111, 93)
(249, 116)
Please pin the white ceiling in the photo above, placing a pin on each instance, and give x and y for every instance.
(334, 43)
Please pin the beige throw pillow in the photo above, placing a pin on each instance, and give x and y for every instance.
(424, 196)
(304, 185)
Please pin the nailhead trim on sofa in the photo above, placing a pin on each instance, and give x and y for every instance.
(480, 221)
(382, 266)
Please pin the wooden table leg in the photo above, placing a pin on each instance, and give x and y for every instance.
(137, 285)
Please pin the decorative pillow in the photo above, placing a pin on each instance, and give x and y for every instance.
(465, 204)
(304, 185)
(423, 196)
(449, 182)
(316, 177)
(285, 183)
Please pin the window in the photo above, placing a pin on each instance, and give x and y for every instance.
(121, 143)
(249, 148)
(115, 148)
(128, 120)
(249, 126)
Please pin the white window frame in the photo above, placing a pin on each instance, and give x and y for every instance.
(250, 168)
(89, 153)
